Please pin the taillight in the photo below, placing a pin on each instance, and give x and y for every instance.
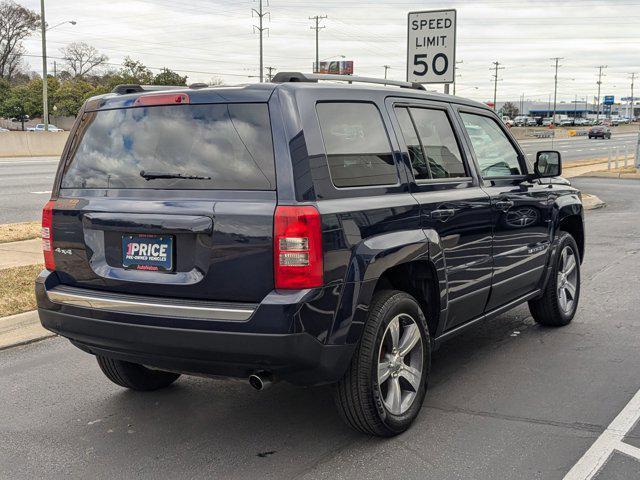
(47, 235)
(161, 99)
(297, 248)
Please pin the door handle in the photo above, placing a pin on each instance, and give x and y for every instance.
(443, 215)
(503, 205)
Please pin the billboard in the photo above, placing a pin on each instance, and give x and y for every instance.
(341, 67)
(609, 100)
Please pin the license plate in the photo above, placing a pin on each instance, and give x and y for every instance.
(147, 252)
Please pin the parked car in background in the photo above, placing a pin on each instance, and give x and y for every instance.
(337, 235)
(531, 122)
(581, 122)
(566, 122)
(507, 120)
(40, 128)
(520, 120)
(600, 131)
(3, 130)
(546, 122)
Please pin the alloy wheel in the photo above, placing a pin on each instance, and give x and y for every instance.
(567, 279)
(400, 364)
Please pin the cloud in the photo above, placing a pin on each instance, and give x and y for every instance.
(207, 39)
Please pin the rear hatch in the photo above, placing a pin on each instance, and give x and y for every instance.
(172, 200)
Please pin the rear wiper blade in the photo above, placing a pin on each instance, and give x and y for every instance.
(153, 175)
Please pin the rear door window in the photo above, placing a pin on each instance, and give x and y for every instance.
(431, 143)
(221, 146)
(356, 143)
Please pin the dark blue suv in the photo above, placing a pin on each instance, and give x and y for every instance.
(313, 232)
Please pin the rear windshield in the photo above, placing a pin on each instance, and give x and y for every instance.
(221, 146)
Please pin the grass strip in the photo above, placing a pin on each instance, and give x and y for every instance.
(17, 289)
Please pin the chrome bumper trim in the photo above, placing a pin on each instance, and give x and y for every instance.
(156, 306)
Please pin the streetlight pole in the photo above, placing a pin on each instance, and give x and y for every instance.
(45, 93)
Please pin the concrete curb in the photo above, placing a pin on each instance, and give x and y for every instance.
(21, 329)
(592, 202)
(616, 175)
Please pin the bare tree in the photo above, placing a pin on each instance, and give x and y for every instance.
(16, 23)
(81, 58)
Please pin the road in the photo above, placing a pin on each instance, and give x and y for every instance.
(25, 186)
(507, 400)
(581, 148)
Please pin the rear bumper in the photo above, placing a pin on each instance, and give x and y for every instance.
(200, 346)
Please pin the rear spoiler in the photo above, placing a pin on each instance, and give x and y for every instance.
(135, 88)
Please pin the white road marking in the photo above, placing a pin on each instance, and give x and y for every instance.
(609, 441)
(44, 192)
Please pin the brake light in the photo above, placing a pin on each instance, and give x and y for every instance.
(47, 235)
(161, 99)
(297, 247)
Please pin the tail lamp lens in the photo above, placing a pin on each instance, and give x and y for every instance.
(47, 235)
(297, 247)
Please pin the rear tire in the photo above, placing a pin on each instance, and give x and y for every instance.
(382, 391)
(559, 302)
(134, 376)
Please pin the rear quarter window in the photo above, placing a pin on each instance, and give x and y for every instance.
(226, 146)
(356, 143)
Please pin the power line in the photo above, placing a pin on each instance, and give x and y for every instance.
(317, 28)
(260, 29)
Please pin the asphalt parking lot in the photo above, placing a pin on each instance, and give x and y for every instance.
(507, 400)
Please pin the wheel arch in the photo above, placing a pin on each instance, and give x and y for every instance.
(411, 261)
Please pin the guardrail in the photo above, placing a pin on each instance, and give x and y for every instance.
(624, 157)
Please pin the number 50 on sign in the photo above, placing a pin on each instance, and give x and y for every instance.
(431, 49)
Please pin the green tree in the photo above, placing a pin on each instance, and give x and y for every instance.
(134, 71)
(71, 95)
(27, 98)
(169, 77)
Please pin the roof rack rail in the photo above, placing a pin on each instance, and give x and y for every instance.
(286, 77)
(135, 88)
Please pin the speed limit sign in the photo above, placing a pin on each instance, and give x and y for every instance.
(431, 49)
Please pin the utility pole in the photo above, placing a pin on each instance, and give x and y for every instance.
(555, 89)
(270, 71)
(454, 77)
(45, 93)
(386, 68)
(632, 114)
(496, 67)
(260, 29)
(599, 85)
(317, 19)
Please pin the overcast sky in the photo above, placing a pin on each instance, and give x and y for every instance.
(214, 38)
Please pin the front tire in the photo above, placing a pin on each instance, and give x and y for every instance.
(134, 376)
(382, 391)
(558, 304)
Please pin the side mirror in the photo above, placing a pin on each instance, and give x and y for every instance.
(548, 164)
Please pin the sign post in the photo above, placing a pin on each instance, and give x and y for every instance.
(431, 47)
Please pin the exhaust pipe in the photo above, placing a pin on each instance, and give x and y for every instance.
(260, 380)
